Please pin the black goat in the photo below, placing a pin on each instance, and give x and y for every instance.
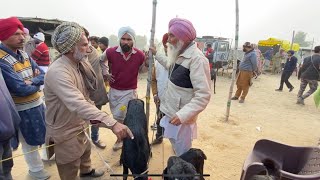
(136, 153)
(178, 166)
(195, 157)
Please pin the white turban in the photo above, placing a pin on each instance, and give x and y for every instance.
(127, 30)
(66, 36)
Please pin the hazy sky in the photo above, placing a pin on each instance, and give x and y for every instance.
(259, 19)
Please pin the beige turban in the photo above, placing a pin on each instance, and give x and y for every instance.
(66, 36)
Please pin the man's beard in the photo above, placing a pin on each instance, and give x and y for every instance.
(173, 53)
(77, 55)
(125, 48)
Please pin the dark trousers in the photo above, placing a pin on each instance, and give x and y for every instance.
(159, 128)
(313, 84)
(285, 79)
(6, 166)
(95, 130)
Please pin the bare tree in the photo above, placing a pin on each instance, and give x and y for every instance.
(300, 38)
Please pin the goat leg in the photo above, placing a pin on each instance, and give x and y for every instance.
(125, 172)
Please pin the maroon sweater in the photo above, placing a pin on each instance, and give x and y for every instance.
(41, 55)
(125, 72)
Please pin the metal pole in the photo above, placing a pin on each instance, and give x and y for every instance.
(234, 61)
(292, 40)
(312, 46)
(153, 28)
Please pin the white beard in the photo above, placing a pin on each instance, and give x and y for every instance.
(77, 55)
(173, 53)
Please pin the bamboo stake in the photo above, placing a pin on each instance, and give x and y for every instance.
(234, 61)
(153, 28)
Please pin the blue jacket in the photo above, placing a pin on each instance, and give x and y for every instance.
(15, 83)
(9, 117)
(291, 64)
(249, 62)
(268, 54)
(32, 125)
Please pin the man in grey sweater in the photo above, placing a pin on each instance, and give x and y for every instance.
(247, 66)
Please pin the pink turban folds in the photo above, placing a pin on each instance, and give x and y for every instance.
(182, 29)
(8, 27)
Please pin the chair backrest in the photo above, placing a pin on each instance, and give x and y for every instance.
(283, 161)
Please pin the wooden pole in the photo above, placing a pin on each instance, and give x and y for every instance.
(153, 28)
(234, 61)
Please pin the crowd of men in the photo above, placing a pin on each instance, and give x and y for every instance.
(76, 87)
(88, 74)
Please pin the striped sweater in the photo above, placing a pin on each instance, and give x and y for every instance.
(23, 71)
(41, 54)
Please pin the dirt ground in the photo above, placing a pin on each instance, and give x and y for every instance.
(226, 144)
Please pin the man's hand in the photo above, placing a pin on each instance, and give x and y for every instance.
(109, 78)
(36, 73)
(175, 121)
(122, 131)
(153, 50)
(28, 82)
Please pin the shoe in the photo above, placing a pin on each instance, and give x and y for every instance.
(300, 101)
(99, 144)
(278, 90)
(241, 101)
(93, 173)
(234, 98)
(40, 175)
(117, 146)
(291, 89)
(157, 141)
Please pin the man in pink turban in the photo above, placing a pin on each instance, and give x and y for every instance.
(189, 88)
(182, 29)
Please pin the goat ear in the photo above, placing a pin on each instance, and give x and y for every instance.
(204, 156)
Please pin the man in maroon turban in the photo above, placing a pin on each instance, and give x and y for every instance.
(189, 88)
(23, 79)
(8, 27)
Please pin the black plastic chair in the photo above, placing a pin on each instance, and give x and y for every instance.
(282, 162)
